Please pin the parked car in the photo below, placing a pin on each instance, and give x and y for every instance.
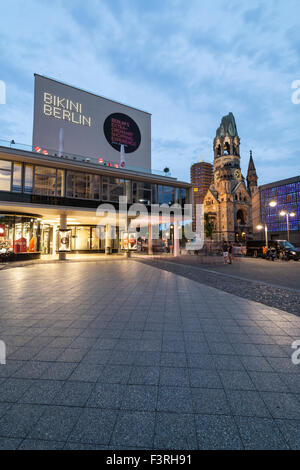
(284, 249)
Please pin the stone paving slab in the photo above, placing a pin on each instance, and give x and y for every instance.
(122, 355)
(280, 291)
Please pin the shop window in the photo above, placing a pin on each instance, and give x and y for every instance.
(19, 234)
(5, 175)
(82, 238)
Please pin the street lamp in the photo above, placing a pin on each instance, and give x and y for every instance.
(287, 214)
(260, 227)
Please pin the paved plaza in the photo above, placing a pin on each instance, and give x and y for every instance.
(276, 284)
(123, 355)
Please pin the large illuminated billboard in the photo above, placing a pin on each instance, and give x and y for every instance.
(82, 123)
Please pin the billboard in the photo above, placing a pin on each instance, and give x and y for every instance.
(81, 123)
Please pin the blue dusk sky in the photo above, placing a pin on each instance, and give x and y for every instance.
(188, 63)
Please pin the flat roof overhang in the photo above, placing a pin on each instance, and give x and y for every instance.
(77, 215)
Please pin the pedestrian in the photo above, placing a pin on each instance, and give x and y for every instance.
(230, 252)
(225, 252)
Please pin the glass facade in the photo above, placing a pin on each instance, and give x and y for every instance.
(5, 175)
(45, 181)
(82, 185)
(54, 182)
(287, 197)
(17, 177)
(90, 238)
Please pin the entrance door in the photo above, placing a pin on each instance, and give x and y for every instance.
(47, 240)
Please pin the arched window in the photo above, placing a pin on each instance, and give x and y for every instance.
(240, 217)
(227, 149)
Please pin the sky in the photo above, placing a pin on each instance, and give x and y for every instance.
(188, 63)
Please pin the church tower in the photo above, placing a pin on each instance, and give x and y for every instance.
(251, 176)
(228, 201)
(227, 155)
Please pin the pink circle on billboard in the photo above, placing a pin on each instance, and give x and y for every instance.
(120, 129)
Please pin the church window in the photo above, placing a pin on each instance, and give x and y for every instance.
(227, 148)
(240, 217)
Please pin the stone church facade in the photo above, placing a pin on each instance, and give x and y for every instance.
(228, 202)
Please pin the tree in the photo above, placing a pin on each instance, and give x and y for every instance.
(208, 227)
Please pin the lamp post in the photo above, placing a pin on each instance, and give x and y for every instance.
(172, 236)
(260, 227)
(287, 214)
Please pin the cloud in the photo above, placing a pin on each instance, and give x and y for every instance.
(188, 63)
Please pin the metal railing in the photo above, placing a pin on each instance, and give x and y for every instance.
(80, 158)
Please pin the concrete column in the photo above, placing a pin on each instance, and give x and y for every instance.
(176, 238)
(54, 240)
(150, 244)
(63, 226)
(107, 239)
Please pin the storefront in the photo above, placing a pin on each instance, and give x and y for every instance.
(66, 194)
(20, 235)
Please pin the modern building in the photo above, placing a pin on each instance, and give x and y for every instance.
(228, 201)
(49, 197)
(283, 219)
(201, 178)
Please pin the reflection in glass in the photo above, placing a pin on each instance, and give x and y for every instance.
(28, 182)
(60, 182)
(116, 189)
(45, 181)
(17, 177)
(5, 175)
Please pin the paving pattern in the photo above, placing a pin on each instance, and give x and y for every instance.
(274, 284)
(122, 355)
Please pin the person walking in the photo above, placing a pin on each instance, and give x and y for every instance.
(230, 252)
(225, 252)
